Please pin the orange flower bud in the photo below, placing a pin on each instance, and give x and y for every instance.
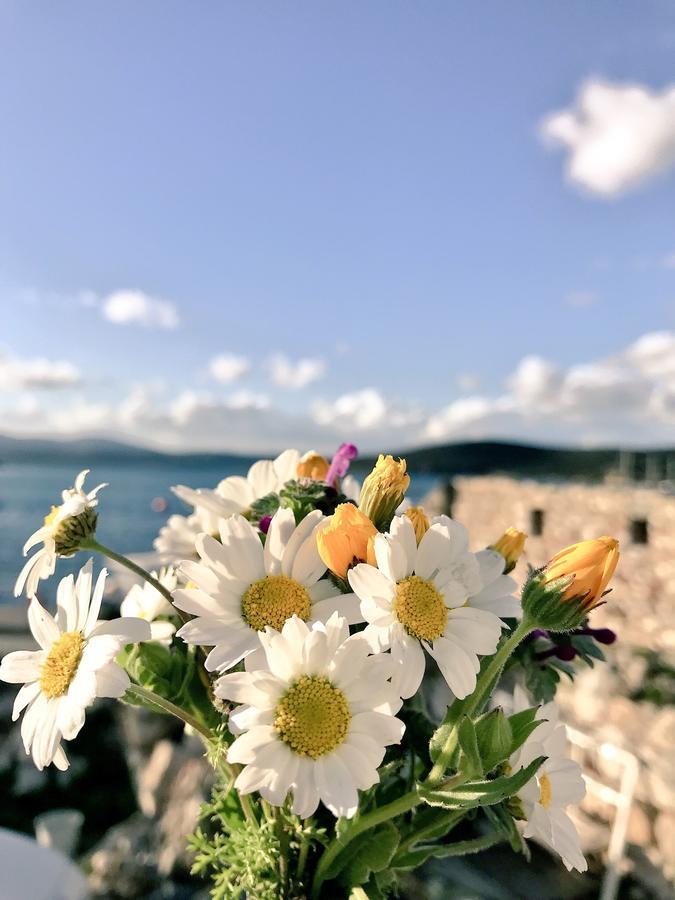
(590, 565)
(346, 539)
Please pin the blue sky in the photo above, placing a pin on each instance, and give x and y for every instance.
(364, 186)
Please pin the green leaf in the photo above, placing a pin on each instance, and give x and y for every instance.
(522, 725)
(495, 738)
(414, 858)
(504, 822)
(372, 852)
(471, 763)
(480, 793)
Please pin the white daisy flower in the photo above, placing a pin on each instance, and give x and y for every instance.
(74, 665)
(416, 600)
(243, 587)
(63, 528)
(557, 784)
(176, 540)
(315, 720)
(145, 602)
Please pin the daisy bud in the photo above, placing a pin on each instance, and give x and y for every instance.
(420, 521)
(511, 545)
(70, 533)
(346, 539)
(560, 596)
(313, 466)
(383, 490)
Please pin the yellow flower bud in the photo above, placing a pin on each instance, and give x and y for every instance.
(420, 521)
(590, 565)
(313, 466)
(383, 490)
(346, 539)
(511, 545)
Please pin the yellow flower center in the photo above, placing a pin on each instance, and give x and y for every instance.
(49, 520)
(313, 716)
(59, 669)
(420, 608)
(545, 793)
(273, 600)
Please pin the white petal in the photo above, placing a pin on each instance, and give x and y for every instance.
(66, 604)
(474, 629)
(305, 792)
(238, 646)
(21, 666)
(368, 583)
(387, 729)
(297, 539)
(262, 478)
(403, 531)
(260, 689)
(70, 718)
(490, 564)
(111, 681)
(241, 553)
(346, 605)
(42, 625)
(391, 558)
(220, 604)
(83, 594)
(129, 630)
(408, 660)
(281, 528)
(363, 775)
(336, 786)
(456, 665)
(308, 566)
(26, 695)
(90, 617)
(244, 749)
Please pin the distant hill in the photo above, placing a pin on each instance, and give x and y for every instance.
(470, 458)
(523, 460)
(87, 450)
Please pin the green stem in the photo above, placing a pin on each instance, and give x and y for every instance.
(485, 685)
(304, 851)
(169, 707)
(92, 544)
(376, 817)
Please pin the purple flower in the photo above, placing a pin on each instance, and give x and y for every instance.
(340, 463)
(264, 524)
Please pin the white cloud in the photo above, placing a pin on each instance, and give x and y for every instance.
(535, 383)
(36, 373)
(617, 135)
(295, 375)
(627, 398)
(368, 410)
(227, 367)
(669, 261)
(134, 307)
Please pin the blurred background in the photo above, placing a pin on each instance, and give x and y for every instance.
(437, 229)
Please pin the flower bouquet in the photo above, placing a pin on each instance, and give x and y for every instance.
(291, 629)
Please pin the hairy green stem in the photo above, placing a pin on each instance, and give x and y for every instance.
(475, 702)
(304, 851)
